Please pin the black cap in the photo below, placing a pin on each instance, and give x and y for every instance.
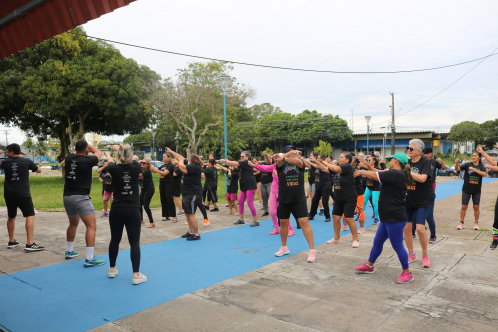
(288, 147)
(427, 150)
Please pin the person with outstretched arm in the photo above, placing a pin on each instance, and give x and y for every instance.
(492, 165)
(17, 194)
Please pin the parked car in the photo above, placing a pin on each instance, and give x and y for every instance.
(450, 171)
(492, 153)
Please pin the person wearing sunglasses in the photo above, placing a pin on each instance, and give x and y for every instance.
(392, 212)
(147, 191)
(247, 184)
(418, 199)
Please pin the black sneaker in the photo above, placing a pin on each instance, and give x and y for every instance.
(414, 237)
(186, 235)
(33, 247)
(14, 244)
(215, 210)
(239, 222)
(227, 206)
(298, 226)
(327, 220)
(311, 218)
(432, 240)
(254, 224)
(265, 214)
(494, 244)
(194, 237)
(321, 212)
(262, 209)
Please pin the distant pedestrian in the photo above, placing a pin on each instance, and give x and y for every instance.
(147, 190)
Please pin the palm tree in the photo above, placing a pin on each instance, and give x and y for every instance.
(40, 148)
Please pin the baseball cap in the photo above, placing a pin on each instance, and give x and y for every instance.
(402, 158)
(288, 147)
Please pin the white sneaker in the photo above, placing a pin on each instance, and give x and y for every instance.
(259, 204)
(113, 272)
(138, 280)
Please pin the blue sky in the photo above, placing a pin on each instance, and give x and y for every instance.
(325, 35)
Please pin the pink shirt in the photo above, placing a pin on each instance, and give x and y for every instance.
(269, 168)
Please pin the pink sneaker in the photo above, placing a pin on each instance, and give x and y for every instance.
(312, 256)
(364, 269)
(425, 261)
(105, 214)
(476, 226)
(291, 232)
(412, 258)
(356, 244)
(361, 230)
(344, 228)
(460, 226)
(334, 241)
(282, 251)
(275, 231)
(405, 277)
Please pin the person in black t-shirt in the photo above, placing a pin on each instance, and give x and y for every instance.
(345, 197)
(358, 183)
(106, 180)
(147, 192)
(191, 191)
(311, 177)
(292, 199)
(472, 184)
(257, 175)
(17, 194)
(266, 180)
(417, 199)
(77, 201)
(166, 187)
(177, 186)
(392, 212)
(126, 208)
(322, 186)
(232, 187)
(248, 186)
(493, 165)
(211, 184)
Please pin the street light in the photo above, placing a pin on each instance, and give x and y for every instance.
(224, 83)
(368, 129)
(154, 147)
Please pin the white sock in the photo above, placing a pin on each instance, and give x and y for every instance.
(69, 246)
(312, 250)
(89, 253)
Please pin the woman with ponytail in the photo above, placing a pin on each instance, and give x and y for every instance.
(373, 189)
(395, 182)
(166, 187)
(125, 210)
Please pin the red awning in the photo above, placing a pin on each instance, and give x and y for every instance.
(24, 23)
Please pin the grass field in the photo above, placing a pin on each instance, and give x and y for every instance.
(46, 192)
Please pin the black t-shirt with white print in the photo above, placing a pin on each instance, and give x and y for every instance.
(167, 167)
(247, 178)
(107, 178)
(418, 195)
(16, 183)
(372, 184)
(472, 182)
(322, 180)
(78, 174)
(344, 184)
(125, 183)
(291, 183)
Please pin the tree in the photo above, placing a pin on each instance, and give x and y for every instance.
(69, 84)
(466, 131)
(41, 148)
(28, 144)
(323, 148)
(490, 133)
(259, 111)
(193, 100)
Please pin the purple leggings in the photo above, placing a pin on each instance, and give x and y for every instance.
(273, 209)
(250, 201)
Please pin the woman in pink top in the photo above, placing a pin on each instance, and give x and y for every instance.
(273, 194)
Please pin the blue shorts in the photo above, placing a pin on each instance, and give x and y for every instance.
(416, 215)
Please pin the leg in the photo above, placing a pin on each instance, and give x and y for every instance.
(463, 212)
(11, 224)
(105, 205)
(284, 231)
(250, 202)
(30, 228)
(476, 213)
(325, 201)
(265, 193)
(215, 196)
(359, 210)
(170, 200)
(375, 200)
(395, 233)
(132, 224)
(142, 205)
(476, 200)
(307, 231)
(73, 226)
(430, 220)
(258, 185)
(193, 224)
(242, 199)
(164, 202)
(378, 244)
(408, 229)
(314, 203)
(91, 228)
(273, 209)
(178, 202)
(203, 211)
(367, 195)
(495, 223)
(337, 226)
(147, 199)
(420, 214)
(465, 204)
(116, 223)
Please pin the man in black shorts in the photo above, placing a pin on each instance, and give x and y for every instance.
(292, 199)
(17, 194)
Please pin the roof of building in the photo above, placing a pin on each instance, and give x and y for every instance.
(402, 132)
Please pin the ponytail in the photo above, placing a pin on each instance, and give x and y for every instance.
(408, 173)
(125, 153)
(196, 160)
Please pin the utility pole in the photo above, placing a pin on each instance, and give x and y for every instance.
(6, 139)
(393, 127)
(352, 120)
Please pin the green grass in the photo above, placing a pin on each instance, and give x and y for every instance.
(46, 192)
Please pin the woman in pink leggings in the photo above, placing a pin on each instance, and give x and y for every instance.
(273, 194)
(248, 186)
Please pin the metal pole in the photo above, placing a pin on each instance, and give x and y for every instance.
(154, 148)
(368, 132)
(393, 128)
(225, 117)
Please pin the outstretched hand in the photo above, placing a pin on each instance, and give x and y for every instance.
(457, 160)
(358, 172)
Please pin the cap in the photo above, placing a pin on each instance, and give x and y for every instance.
(403, 158)
(288, 147)
(427, 150)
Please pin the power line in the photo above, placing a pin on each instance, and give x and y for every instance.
(284, 68)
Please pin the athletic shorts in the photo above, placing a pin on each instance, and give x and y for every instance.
(78, 204)
(25, 204)
(312, 188)
(344, 208)
(107, 196)
(476, 198)
(231, 196)
(177, 191)
(190, 203)
(416, 215)
(298, 210)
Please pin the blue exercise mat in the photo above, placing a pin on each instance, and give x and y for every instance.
(69, 297)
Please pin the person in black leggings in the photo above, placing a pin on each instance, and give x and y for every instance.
(493, 164)
(125, 211)
(322, 186)
(166, 187)
(147, 191)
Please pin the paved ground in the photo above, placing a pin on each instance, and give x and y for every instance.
(458, 292)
